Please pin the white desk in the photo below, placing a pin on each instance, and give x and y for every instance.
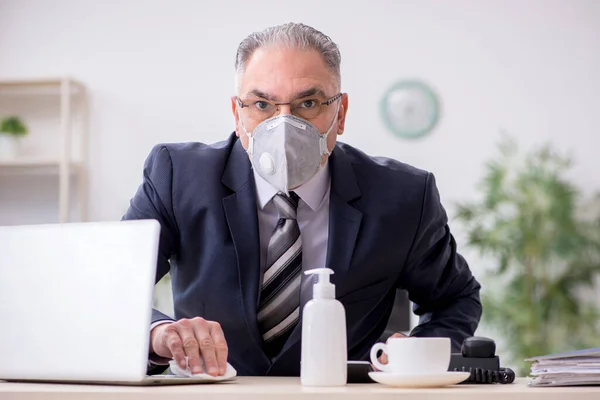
(260, 388)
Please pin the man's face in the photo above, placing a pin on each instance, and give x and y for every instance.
(282, 75)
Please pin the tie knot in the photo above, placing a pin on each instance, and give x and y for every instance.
(286, 205)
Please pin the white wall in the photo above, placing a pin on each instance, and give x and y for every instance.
(163, 71)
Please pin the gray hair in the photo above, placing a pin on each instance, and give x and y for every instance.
(294, 35)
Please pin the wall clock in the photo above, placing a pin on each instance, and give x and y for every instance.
(410, 109)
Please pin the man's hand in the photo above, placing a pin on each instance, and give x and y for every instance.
(383, 357)
(192, 338)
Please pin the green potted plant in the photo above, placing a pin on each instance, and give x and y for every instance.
(543, 246)
(12, 129)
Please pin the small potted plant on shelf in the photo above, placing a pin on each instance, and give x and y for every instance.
(11, 130)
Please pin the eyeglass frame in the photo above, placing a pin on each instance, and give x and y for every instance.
(327, 102)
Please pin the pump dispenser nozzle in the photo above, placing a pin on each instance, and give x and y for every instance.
(323, 289)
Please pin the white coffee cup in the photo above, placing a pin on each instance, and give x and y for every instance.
(413, 355)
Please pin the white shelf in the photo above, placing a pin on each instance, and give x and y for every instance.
(40, 86)
(71, 96)
(24, 82)
(23, 163)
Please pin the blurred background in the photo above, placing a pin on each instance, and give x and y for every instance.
(499, 99)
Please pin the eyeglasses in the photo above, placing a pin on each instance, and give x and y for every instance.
(261, 110)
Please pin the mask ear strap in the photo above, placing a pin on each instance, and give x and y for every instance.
(323, 137)
(250, 150)
(323, 145)
(250, 144)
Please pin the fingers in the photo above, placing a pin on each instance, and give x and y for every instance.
(190, 345)
(172, 341)
(220, 346)
(383, 358)
(397, 335)
(208, 349)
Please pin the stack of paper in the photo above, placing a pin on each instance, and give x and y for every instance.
(580, 367)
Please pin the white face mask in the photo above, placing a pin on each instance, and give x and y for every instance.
(286, 151)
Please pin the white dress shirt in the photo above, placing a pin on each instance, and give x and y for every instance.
(312, 217)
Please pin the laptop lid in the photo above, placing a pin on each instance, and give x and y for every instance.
(76, 300)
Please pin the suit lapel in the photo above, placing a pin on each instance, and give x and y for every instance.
(344, 225)
(344, 219)
(241, 213)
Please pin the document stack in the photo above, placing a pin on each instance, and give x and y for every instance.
(574, 368)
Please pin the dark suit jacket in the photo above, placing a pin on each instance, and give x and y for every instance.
(387, 230)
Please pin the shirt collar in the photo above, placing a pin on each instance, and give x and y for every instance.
(312, 192)
(264, 190)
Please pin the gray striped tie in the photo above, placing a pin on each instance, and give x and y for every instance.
(279, 307)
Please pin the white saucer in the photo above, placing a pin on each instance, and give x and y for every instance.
(420, 380)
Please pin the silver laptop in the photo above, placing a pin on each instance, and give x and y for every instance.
(76, 302)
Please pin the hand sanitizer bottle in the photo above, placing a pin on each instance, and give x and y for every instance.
(324, 351)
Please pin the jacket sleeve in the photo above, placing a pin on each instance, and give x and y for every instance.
(438, 280)
(153, 200)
